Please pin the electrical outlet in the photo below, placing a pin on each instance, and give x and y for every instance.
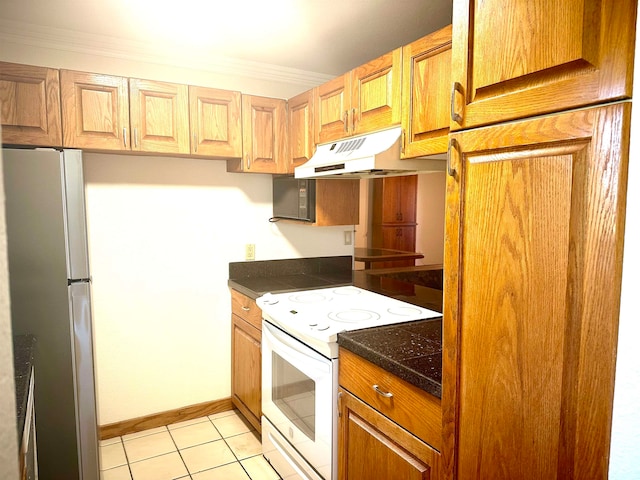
(249, 251)
(348, 238)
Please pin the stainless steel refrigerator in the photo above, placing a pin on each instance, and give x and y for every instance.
(51, 299)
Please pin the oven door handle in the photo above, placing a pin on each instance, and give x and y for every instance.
(286, 346)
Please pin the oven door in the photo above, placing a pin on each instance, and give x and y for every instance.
(299, 397)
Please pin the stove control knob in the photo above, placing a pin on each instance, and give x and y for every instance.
(313, 323)
(322, 327)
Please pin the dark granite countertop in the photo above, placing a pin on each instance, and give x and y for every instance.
(254, 279)
(23, 349)
(411, 351)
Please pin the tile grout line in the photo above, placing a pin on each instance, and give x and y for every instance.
(179, 454)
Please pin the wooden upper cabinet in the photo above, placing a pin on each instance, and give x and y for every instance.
(333, 103)
(301, 121)
(514, 59)
(95, 110)
(534, 233)
(426, 83)
(365, 99)
(159, 116)
(30, 99)
(376, 90)
(216, 122)
(264, 136)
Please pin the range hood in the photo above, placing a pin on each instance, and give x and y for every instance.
(366, 156)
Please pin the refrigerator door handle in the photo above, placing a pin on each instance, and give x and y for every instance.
(75, 223)
(84, 378)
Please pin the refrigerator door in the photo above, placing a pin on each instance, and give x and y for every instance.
(75, 224)
(83, 378)
(37, 199)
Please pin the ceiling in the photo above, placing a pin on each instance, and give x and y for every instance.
(321, 36)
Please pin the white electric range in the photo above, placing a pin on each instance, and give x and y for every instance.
(300, 370)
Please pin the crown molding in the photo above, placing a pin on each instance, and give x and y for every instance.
(197, 59)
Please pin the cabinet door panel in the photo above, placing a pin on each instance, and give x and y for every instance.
(264, 134)
(95, 109)
(216, 124)
(566, 54)
(159, 116)
(333, 102)
(426, 79)
(301, 121)
(371, 446)
(534, 254)
(399, 198)
(376, 93)
(30, 99)
(247, 368)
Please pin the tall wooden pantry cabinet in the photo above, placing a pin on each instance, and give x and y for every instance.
(536, 192)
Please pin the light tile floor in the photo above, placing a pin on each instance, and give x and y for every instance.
(222, 446)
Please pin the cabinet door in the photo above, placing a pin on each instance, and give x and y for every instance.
(372, 446)
(264, 127)
(376, 94)
(301, 144)
(30, 100)
(216, 125)
(514, 59)
(246, 366)
(159, 116)
(535, 225)
(399, 198)
(426, 79)
(95, 110)
(333, 105)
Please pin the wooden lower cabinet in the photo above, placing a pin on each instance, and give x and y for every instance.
(370, 446)
(246, 358)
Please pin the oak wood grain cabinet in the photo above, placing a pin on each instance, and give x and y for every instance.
(95, 111)
(30, 100)
(159, 116)
(533, 259)
(513, 59)
(216, 122)
(264, 136)
(385, 436)
(393, 211)
(301, 110)
(366, 99)
(426, 80)
(337, 202)
(246, 357)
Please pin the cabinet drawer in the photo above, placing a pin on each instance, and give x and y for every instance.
(246, 308)
(408, 406)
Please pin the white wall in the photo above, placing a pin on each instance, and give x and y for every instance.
(430, 217)
(162, 232)
(625, 441)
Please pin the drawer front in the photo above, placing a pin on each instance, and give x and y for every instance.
(246, 308)
(407, 405)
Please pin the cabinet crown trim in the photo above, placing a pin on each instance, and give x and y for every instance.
(104, 46)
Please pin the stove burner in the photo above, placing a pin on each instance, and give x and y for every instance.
(405, 311)
(309, 297)
(347, 291)
(353, 316)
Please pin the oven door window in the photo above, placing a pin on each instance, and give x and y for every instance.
(294, 394)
